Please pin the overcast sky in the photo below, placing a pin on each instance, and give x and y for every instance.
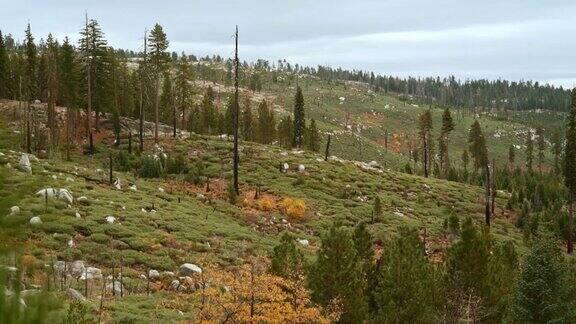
(509, 39)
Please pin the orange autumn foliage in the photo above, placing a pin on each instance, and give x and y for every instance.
(294, 208)
(266, 203)
(249, 294)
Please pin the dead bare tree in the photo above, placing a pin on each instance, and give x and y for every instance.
(236, 113)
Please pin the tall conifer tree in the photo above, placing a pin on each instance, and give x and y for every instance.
(570, 170)
(299, 121)
(158, 58)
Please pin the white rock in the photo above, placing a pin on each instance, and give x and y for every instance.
(301, 168)
(75, 294)
(115, 286)
(303, 242)
(65, 195)
(285, 166)
(83, 200)
(118, 184)
(91, 273)
(54, 177)
(133, 188)
(110, 219)
(153, 274)
(69, 179)
(399, 214)
(78, 215)
(174, 284)
(35, 220)
(14, 210)
(161, 189)
(374, 164)
(24, 164)
(50, 192)
(188, 268)
(71, 243)
(77, 268)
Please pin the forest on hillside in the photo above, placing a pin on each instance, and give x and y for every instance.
(152, 185)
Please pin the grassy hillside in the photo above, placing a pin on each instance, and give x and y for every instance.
(191, 224)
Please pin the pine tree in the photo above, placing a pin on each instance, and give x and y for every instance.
(541, 146)
(4, 69)
(443, 140)
(465, 160)
(208, 113)
(335, 277)
(377, 209)
(467, 263)
(52, 79)
(529, 151)
(299, 121)
(425, 128)
(502, 273)
(477, 146)
(159, 59)
(247, 125)
(266, 124)
(68, 90)
(286, 260)
(167, 112)
(511, 156)
(542, 291)
(183, 88)
(557, 151)
(405, 282)
(228, 118)
(313, 137)
(570, 170)
(285, 132)
(30, 84)
(93, 47)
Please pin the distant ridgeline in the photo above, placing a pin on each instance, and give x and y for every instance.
(502, 94)
(481, 93)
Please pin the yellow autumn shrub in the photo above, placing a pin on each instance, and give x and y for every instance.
(266, 203)
(294, 208)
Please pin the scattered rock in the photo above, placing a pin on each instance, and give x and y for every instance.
(167, 274)
(118, 184)
(200, 197)
(285, 167)
(153, 274)
(78, 215)
(83, 200)
(175, 284)
(71, 243)
(35, 220)
(62, 194)
(115, 287)
(161, 189)
(77, 268)
(301, 168)
(75, 294)
(374, 164)
(399, 214)
(110, 219)
(65, 195)
(133, 187)
(92, 273)
(24, 164)
(188, 269)
(14, 210)
(303, 242)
